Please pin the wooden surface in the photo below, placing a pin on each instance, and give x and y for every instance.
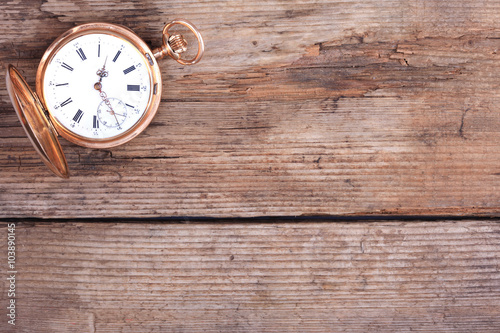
(298, 108)
(328, 108)
(440, 276)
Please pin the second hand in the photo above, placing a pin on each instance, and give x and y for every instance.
(104, 97)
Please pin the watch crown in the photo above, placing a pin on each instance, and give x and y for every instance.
(178, 43)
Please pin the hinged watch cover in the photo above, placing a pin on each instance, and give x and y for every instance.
(30, 111)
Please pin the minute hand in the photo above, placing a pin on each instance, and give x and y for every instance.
(104, 97)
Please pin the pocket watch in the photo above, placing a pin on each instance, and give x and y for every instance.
(98, 85)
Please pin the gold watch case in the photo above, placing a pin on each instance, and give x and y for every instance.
(42, 128)
(126, 35)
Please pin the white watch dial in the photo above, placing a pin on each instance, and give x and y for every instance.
(97, 86)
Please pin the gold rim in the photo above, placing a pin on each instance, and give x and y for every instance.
(154, 75)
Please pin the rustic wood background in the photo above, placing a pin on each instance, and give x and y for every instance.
(367, 109)
(298, 108)
(381, 276)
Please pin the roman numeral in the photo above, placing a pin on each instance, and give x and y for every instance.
(116, 56)
(61, 84)
(99, 50)
(81, 54)
(95, 123)
(133, 87)
(66, 102)
(78, 116)
(128, 70)
(68, 67)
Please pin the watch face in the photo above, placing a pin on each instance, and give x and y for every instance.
(97, 86)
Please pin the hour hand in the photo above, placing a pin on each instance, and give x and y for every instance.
(102, 72)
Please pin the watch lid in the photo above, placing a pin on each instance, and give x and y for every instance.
(31, 113)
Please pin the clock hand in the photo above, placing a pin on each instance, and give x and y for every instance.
(104, 97)
(98, 86)
(102, 72)
(118, 114)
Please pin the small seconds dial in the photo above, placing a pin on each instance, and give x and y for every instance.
(97, 86)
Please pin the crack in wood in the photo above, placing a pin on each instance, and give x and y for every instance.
(461, 129)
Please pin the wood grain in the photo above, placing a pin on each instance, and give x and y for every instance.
(288, 276)
(298, 108)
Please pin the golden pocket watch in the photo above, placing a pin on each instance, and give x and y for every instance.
(98, 85)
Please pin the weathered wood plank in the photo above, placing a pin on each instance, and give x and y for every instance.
(314, 276)
(298, 108)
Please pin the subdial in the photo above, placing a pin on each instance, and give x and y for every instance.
(113, 113)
